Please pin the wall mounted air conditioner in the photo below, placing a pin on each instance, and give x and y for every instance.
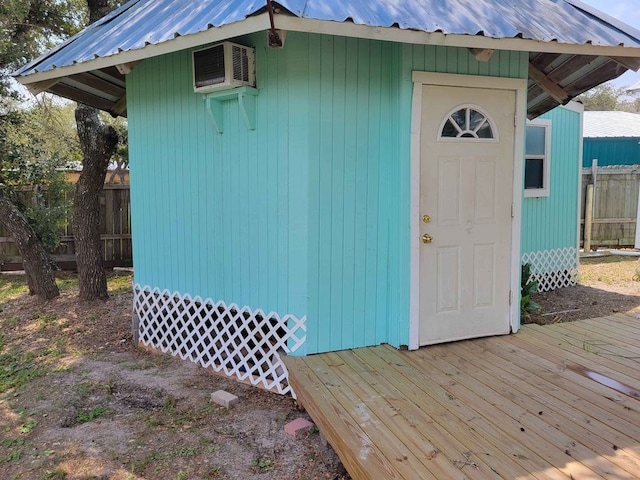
(223, 66)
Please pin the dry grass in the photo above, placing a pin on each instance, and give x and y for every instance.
(610, 270)
(79, 400)
(606, 286)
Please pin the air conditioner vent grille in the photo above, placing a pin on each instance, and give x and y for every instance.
(240, 64)
(209, 66)
(222, 66)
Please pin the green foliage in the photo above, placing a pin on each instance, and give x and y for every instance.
(606, 97)
(31, 26)
(16, 371)
(57, 474)
(121, 155)
(27, 426)
(89, 415)
(32, 148)
(13, 456)
(14, 285)
(13, 442)
(261, 464)
(527, 288)
(33, 151)
(11, 287)
(120, 283)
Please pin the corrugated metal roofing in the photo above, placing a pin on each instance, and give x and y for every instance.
(140, 23)
(634, 88)
(611, 124)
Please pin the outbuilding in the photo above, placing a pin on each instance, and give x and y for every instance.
(611, 138)
(310, 176)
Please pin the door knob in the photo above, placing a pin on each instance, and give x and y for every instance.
(426, 238)
(426, 218)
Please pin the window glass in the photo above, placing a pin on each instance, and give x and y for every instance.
(534, 173)
(485, 131)
(449, 130)
(537, 159)
(467, 122)
(535, 140)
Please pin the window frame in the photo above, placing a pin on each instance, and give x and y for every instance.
(477, 108)
(546, 160)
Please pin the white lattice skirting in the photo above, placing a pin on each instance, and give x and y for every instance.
(234, 340)
(553, 268)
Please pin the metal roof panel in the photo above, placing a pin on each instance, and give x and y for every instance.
(611, 124)
(139, 23)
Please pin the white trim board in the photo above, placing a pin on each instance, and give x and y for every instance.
(545, 191)
(212, 35)
(519, 86)
(346, 29)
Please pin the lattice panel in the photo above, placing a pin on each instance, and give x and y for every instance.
(553, 268)
(230, 339)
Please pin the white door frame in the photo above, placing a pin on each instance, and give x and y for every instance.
(519, 86)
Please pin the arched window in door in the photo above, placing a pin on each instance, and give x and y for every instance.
(468, 122)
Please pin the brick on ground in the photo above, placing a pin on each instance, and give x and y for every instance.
(223, 398)
(298, 427)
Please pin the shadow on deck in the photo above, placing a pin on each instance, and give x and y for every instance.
(552, 402)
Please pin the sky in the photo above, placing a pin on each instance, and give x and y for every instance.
(629, 12)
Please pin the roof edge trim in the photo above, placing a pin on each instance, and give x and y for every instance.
(260, 22)
(106, 19)
(614, 22)
(249, 25)
(394, 34)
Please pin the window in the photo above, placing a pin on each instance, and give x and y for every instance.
(537, 158)
(467, 122)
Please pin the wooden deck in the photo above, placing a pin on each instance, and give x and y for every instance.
(530, 405)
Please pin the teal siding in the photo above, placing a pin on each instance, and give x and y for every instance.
(550, 223)
(611, 151)
(309, 213)
(220, 215)
(359, 160)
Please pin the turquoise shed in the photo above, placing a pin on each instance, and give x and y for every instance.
(311, 176)
(611, 138)
(550, 215)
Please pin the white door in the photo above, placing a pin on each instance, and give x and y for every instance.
(466, 165)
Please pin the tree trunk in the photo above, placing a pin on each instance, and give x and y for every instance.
(98, 9)
(98, 143)
(36, 263)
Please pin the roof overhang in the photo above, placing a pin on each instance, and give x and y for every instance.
(558, 72)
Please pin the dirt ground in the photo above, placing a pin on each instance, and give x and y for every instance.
(79, 401)
(606, 286)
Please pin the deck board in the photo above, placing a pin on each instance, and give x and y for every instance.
(512, 407)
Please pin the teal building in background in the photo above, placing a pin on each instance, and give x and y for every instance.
(611, 138)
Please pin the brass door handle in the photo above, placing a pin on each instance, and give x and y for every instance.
(426, 238)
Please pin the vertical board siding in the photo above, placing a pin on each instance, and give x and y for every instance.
(615, 206)
(550, 223)
(309, 213)
(611, 151)
(213, 212)
(359, 190)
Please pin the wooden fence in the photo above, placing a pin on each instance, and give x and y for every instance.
(615, 205)
(115, 229)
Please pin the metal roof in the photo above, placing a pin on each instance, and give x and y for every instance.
(611, 124)
(634, 88)
(141, 24)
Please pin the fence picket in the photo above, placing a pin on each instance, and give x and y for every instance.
(616, 205)
(115, 229)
